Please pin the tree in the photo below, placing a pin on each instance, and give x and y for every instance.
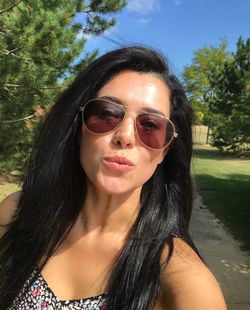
(197, 81)
(230, 101)
(39, 43)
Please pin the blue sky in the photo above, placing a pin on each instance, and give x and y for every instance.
(177, 27)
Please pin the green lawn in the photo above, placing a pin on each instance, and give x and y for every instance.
(224, 184)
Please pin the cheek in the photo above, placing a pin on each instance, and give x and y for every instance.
(89, 159)
(86, 152)
(155, 158)
(149, 165)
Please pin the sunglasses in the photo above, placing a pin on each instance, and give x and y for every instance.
(101, 116)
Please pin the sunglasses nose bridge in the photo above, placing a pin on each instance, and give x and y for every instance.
(125, 121)
(125, 133)
(134, 117)
(130, 114)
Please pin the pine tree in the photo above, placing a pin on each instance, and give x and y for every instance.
(39, 43)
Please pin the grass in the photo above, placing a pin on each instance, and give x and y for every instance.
(223, 181)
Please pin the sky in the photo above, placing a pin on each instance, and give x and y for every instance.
(176, 28)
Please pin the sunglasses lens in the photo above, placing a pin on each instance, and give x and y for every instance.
(101, 116)
(154, 131)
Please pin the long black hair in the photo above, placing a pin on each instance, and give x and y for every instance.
(54, 190)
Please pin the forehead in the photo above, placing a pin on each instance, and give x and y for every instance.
(138, 90)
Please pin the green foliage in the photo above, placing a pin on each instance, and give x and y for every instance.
(196, 78)
(230, 101)
(218, 86)
(39, 43)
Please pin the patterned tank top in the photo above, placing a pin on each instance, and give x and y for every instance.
(40, 297)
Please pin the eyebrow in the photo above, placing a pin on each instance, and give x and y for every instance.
(145, 109)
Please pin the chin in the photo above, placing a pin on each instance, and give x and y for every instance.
(117, 187)
(116, 190)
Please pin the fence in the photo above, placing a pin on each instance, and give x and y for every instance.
(201, 134)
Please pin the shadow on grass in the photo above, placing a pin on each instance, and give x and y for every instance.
(212, 153)
(229, 200)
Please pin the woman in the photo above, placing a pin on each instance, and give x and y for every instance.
(106, 199)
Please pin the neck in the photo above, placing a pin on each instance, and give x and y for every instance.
(107, 213)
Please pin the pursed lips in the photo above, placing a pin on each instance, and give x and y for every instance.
(118, 163)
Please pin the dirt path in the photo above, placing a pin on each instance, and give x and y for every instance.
(223, 255)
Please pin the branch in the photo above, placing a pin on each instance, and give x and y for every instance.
(87, 11)
(28, 87)
(10, 7)
(18, 119)
(6, 52)
(3, 34)
(89, 14)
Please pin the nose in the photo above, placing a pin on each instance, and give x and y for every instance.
(124, 135)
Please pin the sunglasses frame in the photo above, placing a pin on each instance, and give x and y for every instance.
(82, 108)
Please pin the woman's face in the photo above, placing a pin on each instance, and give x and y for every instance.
(117, 162)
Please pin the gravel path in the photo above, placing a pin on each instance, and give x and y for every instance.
(223, 255)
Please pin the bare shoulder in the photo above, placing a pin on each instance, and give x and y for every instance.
(7, 210)
(188, 283)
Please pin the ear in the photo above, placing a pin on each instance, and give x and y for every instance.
(164, 153)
